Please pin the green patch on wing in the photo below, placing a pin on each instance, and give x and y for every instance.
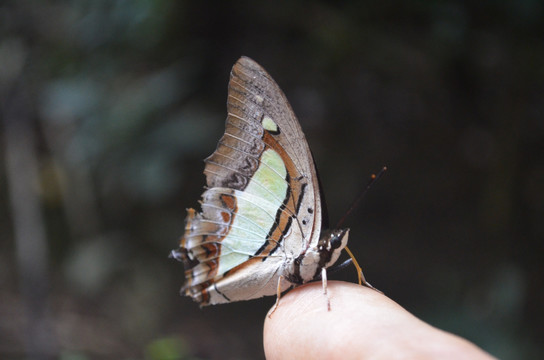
(269, 124)
(256, 212)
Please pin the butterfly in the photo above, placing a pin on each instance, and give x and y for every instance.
(263, 226)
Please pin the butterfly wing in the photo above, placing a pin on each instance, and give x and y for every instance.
(262, 206)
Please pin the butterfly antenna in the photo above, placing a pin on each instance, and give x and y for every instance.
(373, 179)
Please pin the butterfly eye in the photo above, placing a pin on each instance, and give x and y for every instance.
(336, 242)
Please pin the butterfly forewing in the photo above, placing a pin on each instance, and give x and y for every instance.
(255, 96)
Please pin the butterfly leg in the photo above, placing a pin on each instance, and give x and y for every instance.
(362, 280)
(366, 283)
(324, 282)
(278, 295)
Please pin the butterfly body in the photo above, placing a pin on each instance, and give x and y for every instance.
(260, 228)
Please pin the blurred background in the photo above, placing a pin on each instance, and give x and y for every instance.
(108, 108)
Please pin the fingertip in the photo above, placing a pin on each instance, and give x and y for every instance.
(301, 320)
(361, 323)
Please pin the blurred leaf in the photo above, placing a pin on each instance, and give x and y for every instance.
(168, 349)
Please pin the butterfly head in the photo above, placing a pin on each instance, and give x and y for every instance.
(330, 245)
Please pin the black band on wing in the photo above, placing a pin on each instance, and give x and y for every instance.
(277, 222)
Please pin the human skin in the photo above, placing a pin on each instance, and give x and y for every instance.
(362, 324)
